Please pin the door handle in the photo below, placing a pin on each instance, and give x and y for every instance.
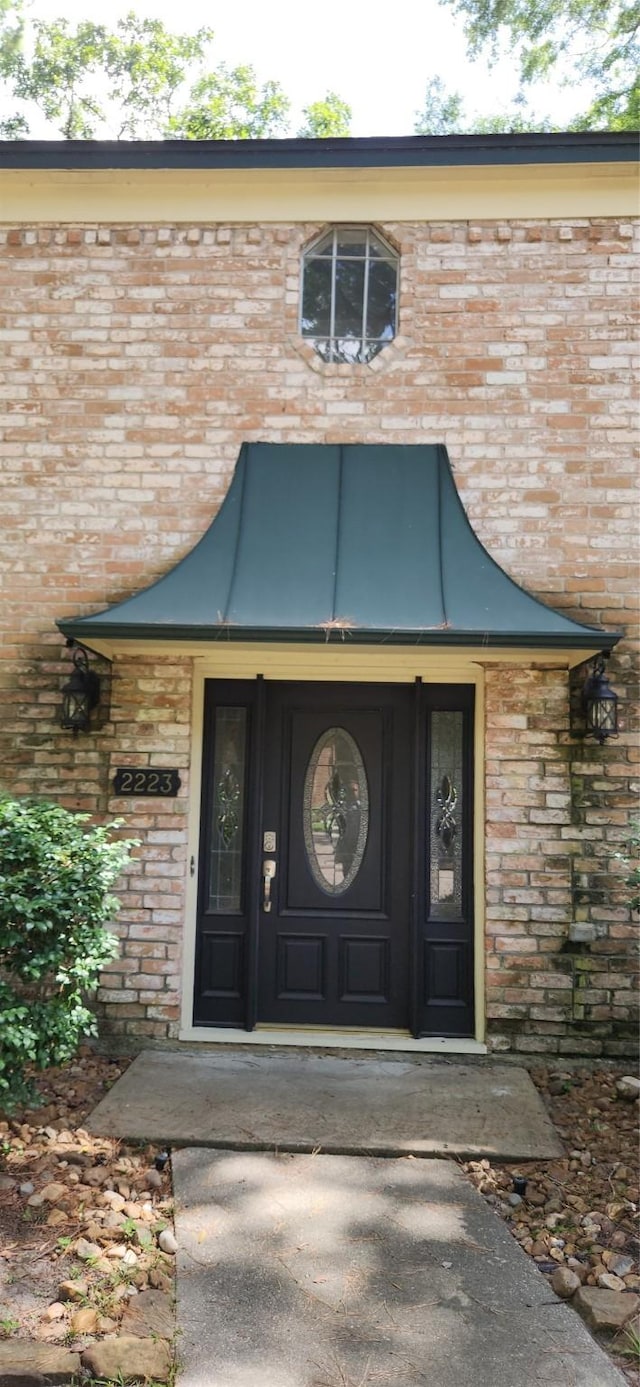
(268, 873)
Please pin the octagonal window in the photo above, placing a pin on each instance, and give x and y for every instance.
(349, 301)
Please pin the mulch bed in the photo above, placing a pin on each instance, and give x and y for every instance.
(82, 1218)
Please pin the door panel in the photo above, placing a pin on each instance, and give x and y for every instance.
(364, 969)
(334, 945)
(301, 966)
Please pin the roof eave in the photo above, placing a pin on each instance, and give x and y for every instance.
(585, 638)
(557, 147)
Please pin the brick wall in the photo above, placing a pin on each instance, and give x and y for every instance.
(135, 360)
(151, 723)
(549, 864)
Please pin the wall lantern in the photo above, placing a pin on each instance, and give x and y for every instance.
(599, 703)
(80, 695)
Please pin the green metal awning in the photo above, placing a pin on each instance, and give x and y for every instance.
(320, 542)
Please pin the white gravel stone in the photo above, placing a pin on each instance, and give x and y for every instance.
(167, 1241)
(628, 1087)
(116, 1201)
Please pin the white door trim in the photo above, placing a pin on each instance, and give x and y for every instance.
(363, 664)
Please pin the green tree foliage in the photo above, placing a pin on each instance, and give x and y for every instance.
(575, 41)
(56, 877)
(228, 104)
(138, 80)
(88, 80)
(444, 114)
(11, 25)
(59, 76)
(443, 111)
(327, 119)
(146, 67)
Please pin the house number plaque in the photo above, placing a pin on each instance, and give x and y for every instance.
(146, 780)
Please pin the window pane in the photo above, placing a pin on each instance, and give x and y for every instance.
(325, 246)
(446, 807)
(324, 348)
(377, 248)
(352, 242)
(370, 349)
(381, 305)
(348, 349)
(316, 298)
(227, 818)
(336, 811)
(349, 298)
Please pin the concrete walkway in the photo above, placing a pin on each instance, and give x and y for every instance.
(334, 1271)
(300, 1102)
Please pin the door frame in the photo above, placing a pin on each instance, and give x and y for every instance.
(335, 665)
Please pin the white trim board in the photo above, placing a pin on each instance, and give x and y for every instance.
(363, 670)
(333, 1040)
(211, 197)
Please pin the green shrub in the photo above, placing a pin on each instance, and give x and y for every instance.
(55, 901)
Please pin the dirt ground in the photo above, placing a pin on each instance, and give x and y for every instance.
(90, 1212)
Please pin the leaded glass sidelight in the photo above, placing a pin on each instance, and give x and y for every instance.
(349, 303)
(336, 811)
(227, 811)
(446, 808)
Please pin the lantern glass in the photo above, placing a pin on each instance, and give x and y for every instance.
(75, 709)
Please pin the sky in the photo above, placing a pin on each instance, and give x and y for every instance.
(376, 57)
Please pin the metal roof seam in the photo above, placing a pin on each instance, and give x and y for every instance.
(442, 461)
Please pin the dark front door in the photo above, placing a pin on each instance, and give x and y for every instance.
(334, 932)
(335, 867)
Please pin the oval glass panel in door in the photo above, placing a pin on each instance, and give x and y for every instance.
(336, 811)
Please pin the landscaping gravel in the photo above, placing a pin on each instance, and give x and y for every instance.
(86, 1222)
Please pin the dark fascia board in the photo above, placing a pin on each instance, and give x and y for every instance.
(579, 640)
(417, 151)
